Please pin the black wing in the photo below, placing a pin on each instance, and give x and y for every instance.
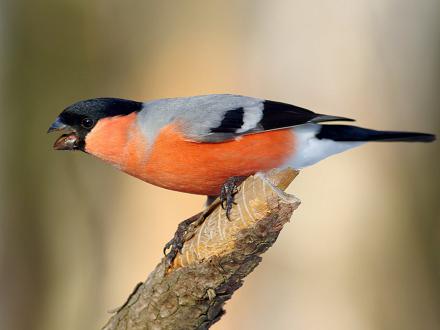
(270, 115)
(278, 115)
(222, 117)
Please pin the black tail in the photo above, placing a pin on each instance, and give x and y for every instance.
(353, 133)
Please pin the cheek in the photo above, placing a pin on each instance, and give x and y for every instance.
(110, 138)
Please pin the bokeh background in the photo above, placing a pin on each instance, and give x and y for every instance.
(362, 251)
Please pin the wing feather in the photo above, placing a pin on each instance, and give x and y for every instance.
(271, 116)
(223, 117)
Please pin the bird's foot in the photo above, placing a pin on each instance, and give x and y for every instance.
(184, 232)
(229, 189)
(187, 228)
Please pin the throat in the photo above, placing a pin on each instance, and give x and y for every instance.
(117, 140)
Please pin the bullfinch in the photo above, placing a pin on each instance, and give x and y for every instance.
(197, 144)
(194, 144)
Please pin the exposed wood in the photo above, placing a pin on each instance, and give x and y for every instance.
(190, 294)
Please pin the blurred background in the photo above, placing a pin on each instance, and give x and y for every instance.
(363, 249)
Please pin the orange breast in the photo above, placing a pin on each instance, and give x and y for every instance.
(202, 168)
(117, 140)
(177, 164)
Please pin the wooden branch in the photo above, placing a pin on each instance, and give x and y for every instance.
(190, 294)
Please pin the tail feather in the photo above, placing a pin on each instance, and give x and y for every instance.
(322, 118)
(353, 133)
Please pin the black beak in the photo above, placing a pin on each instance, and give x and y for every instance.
(68, 141)
(57, 125)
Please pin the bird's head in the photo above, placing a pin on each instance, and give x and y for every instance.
(79, 119)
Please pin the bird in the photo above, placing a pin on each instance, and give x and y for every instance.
(207, 144)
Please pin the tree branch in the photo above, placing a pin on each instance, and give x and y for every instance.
(190, 294)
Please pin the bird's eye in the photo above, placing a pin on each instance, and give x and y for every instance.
(87, 123)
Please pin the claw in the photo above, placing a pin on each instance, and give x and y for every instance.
(186, 228)
(229, 189)
(182, 234)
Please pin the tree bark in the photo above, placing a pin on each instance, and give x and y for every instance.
(191, 293)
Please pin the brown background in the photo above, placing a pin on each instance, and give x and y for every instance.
(362, 251)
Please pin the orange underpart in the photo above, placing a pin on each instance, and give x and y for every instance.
(202, 168)
(175, 163)
(117, 140)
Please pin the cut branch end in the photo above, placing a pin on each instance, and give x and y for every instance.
(214, 261)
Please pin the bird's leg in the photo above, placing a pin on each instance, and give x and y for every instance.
(186, 230)
(229, 189)
(182, 234)
(210, 200)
